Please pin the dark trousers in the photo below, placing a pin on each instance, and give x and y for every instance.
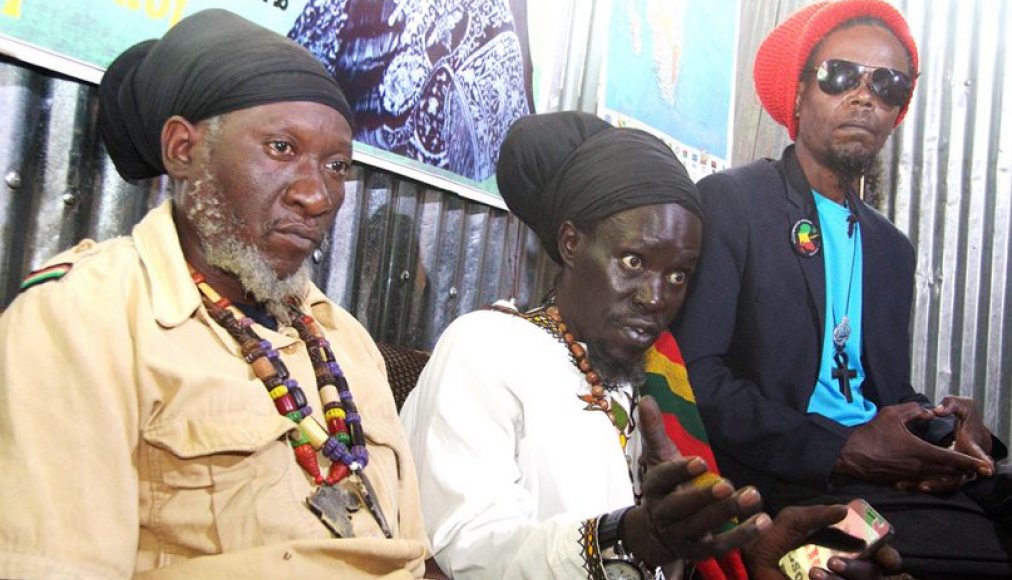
(964, 534)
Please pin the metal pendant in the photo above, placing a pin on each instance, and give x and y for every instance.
(334, 504)
(841, 333)
(368, 496)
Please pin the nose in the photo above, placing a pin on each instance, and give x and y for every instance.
(649, 294)
(862, 93)
(310, 190)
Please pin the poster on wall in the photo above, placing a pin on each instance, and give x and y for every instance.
(669, 69)
(435, 84)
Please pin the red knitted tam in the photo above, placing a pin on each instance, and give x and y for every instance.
(783, 54)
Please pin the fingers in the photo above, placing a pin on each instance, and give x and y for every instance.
(658, 447)
(962, 407)
(696, 512)
(905, 412)
(799, 522)
(737, 537)
(886, 560)
(935, 460)
(664, 478)
(846, 569)
(985, 467)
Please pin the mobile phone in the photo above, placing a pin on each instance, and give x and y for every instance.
(863, 522)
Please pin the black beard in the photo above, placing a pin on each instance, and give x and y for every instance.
(850, 168)
(614, 371)
(849, 164)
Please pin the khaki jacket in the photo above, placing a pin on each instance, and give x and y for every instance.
(134, 439)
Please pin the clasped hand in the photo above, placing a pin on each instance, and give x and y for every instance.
(884, 449)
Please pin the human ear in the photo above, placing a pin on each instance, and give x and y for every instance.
(568, 239)
(179, 140)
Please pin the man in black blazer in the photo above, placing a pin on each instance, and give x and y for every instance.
(796, 330)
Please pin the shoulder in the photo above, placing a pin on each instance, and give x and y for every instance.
(86, 277)
(743, 176)
(739, 185)
(485, 329)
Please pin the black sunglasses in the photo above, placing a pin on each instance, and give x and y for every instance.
(837, 76)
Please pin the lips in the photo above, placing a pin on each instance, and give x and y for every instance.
(299, 234)
(858, 124)
(640, 332)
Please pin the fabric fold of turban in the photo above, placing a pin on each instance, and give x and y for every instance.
(210, 63)
(573, 166)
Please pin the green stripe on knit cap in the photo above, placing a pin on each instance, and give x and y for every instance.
(54, 272)
(687, 413)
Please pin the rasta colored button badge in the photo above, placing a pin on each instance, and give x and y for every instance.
(805, 238)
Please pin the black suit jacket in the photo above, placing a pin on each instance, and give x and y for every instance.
(751, 330)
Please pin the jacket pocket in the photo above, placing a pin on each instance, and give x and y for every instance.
(224, 483)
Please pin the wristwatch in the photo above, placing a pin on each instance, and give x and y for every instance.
(620, 565)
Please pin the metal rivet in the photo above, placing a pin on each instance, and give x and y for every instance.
(317, 255)
(453, 292)
(13, 179)
(69, 199)
(405, 276)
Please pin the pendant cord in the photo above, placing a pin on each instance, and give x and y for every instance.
(837, 342)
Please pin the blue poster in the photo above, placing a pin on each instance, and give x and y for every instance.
(669, 68)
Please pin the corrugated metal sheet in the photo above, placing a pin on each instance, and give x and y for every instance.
(404, 259)
(949, 166)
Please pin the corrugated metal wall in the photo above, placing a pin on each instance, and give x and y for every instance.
(949, 169)
(406, 259)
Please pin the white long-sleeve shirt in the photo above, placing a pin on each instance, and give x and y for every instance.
(509, 461)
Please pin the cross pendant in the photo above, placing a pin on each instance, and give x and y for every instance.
(842, 374)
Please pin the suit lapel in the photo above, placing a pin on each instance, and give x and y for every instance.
(800, 205)
(875, 273)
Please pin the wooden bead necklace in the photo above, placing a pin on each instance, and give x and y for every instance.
(547, 317)
(343, 442)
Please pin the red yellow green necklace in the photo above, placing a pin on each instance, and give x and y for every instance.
(343, 440)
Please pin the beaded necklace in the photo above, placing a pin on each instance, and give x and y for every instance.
(343, 442)
(547, 318)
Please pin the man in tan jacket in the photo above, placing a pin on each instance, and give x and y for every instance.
(184, 401)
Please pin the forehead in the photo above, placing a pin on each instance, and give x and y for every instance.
(299, 116)
(867, 44)
(650, 224)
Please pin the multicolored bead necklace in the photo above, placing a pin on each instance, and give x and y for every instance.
(343, 442)
(547, 317)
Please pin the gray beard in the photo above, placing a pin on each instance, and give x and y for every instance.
(615, 372)
(219, 230)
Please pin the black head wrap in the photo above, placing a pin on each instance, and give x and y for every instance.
(574, 166)
(210, 63)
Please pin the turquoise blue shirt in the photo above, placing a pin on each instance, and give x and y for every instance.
(842, 256)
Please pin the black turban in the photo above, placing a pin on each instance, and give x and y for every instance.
(574, 166)
(210, 63)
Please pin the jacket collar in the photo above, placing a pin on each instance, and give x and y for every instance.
(174, 297)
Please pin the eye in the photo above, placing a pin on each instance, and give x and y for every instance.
(280, 147)
(678, 277)
(632, 262)
(339, 167)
